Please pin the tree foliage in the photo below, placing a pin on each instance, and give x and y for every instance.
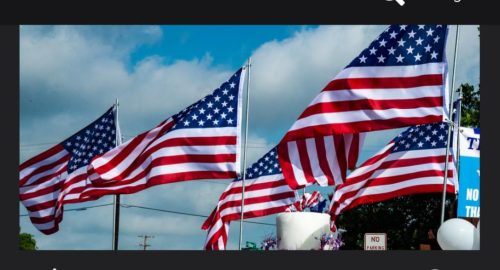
(27, 241)
(470, 106)
(406, 220)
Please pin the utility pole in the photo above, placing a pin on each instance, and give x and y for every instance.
(116, 199)
(145, 241)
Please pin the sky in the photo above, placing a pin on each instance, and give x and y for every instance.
(70, 75)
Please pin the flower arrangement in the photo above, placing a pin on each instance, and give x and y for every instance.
(269, 242)
(330, 242)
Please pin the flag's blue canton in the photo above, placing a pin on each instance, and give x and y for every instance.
(219, 109)
(95, 139)
(267, 165)
(422, 137)
(401, 45)
(320, 207)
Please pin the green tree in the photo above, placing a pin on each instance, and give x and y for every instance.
(407, 219)
(470, 106)
(27, 242)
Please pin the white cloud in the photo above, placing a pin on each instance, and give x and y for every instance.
(257, 147)
(69, 72)
(88, 229)
(287, 74)
(137, 222)
(75, 241)
(197, 197)
(468, 54)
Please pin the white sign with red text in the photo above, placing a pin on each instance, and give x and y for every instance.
(375, 241)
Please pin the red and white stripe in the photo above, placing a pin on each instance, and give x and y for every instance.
(308, 200)
(361, 99)
(388, 175)
(311, 199)
(323, 160)
(264, 195)
(358, 99)
(218, 232)
(162, 156)
(45, 187)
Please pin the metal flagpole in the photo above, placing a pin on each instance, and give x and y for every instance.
(457, 142)
(245, 154)
(450, 125)
(116, 221)
(459, 116)
(116, 199)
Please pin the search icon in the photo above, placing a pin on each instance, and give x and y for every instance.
(400, 2)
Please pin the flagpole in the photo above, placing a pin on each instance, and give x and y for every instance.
(459, 116)
(116, 199)
(457, 163)
(245, 153)
(450, 124)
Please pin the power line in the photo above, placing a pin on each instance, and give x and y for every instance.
(262, 147)
(78, 209)
(161, 210)
(184, 213)
(152, 209)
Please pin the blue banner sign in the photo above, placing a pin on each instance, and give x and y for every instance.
(468, 194)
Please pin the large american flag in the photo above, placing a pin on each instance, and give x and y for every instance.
(58, 175)
(413, 162)
(398, 80)
(266, 193)
(200, 142)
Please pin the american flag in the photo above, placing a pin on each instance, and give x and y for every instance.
(413, 162)
(308, 200)
(320, 207)
(266, 193)
(200, 142)
(58, 175)
(398, 80)
(323, 160)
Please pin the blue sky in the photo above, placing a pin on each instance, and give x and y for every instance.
(71, 74)
(228, 45)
